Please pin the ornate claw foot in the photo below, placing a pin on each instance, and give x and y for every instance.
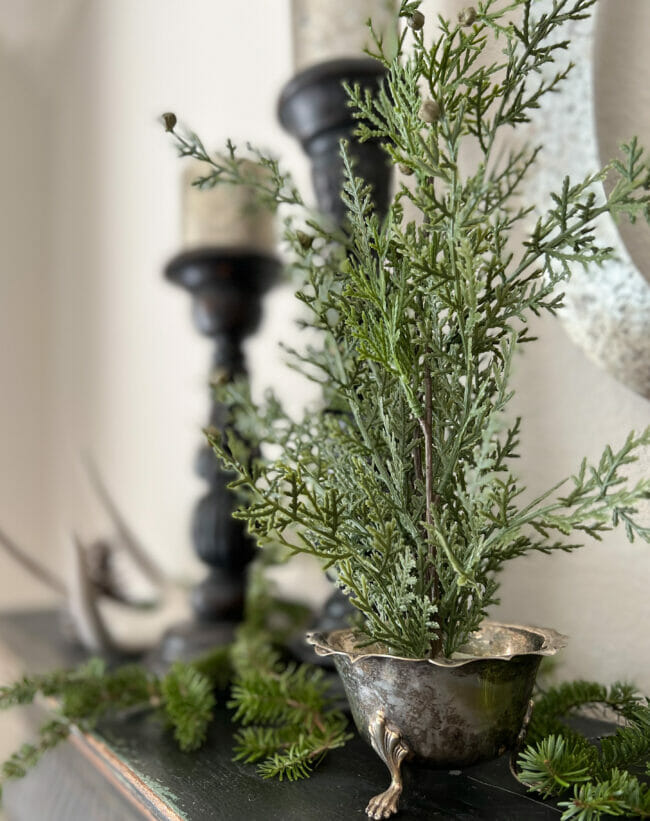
(390, 747)
(521, 738)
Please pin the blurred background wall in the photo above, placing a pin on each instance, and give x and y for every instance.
(98, 354)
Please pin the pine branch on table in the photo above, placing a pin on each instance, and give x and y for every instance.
(603, 779)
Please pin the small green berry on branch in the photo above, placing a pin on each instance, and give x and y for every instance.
(305, 240)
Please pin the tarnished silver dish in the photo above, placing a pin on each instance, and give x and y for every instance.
(449, 712)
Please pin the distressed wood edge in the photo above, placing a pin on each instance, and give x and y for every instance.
(123, 778)
(98, 753)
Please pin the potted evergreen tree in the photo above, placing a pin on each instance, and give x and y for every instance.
(401, 481)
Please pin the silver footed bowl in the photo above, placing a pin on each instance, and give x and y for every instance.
(449, 712)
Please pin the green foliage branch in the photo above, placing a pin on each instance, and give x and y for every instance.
(603, 779)
(288, 719)
(403, 482)
(289, 722)
(183, 698)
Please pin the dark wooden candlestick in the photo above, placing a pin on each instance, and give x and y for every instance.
(227, 285)
(313, 107)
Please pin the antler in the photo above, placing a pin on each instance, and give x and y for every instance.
(82, 603)
(109, 625)
(103, 623)
(131, 544)
(33, 567)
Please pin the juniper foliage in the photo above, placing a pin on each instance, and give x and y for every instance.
(403, 483)
(601, 779)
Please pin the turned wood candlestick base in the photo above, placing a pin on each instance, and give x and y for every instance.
(227, 285)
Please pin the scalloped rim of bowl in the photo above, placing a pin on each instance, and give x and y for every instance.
(499, 641)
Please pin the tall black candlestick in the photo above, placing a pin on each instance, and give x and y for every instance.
(227, 285)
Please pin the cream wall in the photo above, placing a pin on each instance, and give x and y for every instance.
(109, 360)
(23, 319)
(598, 596)
(123, 373)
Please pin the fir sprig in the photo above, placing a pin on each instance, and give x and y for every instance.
(28, 755)
(289, 722)
(183, 698)
(295, 723)
(558, 759)
(188, 704)
(622, 794)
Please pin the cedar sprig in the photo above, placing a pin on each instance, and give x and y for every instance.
(275, 187)
(403, 483)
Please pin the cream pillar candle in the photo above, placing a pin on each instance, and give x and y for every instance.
(327, 29)
(226, 215)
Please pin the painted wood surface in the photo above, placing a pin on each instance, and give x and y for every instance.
(131, 769)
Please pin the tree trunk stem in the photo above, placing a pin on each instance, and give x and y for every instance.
(426, 424)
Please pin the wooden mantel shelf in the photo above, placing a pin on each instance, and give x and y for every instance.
(132, 770)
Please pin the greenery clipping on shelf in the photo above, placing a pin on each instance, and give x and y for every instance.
(602, 779)
(183, 698)
(288, 720)
(403, 483)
